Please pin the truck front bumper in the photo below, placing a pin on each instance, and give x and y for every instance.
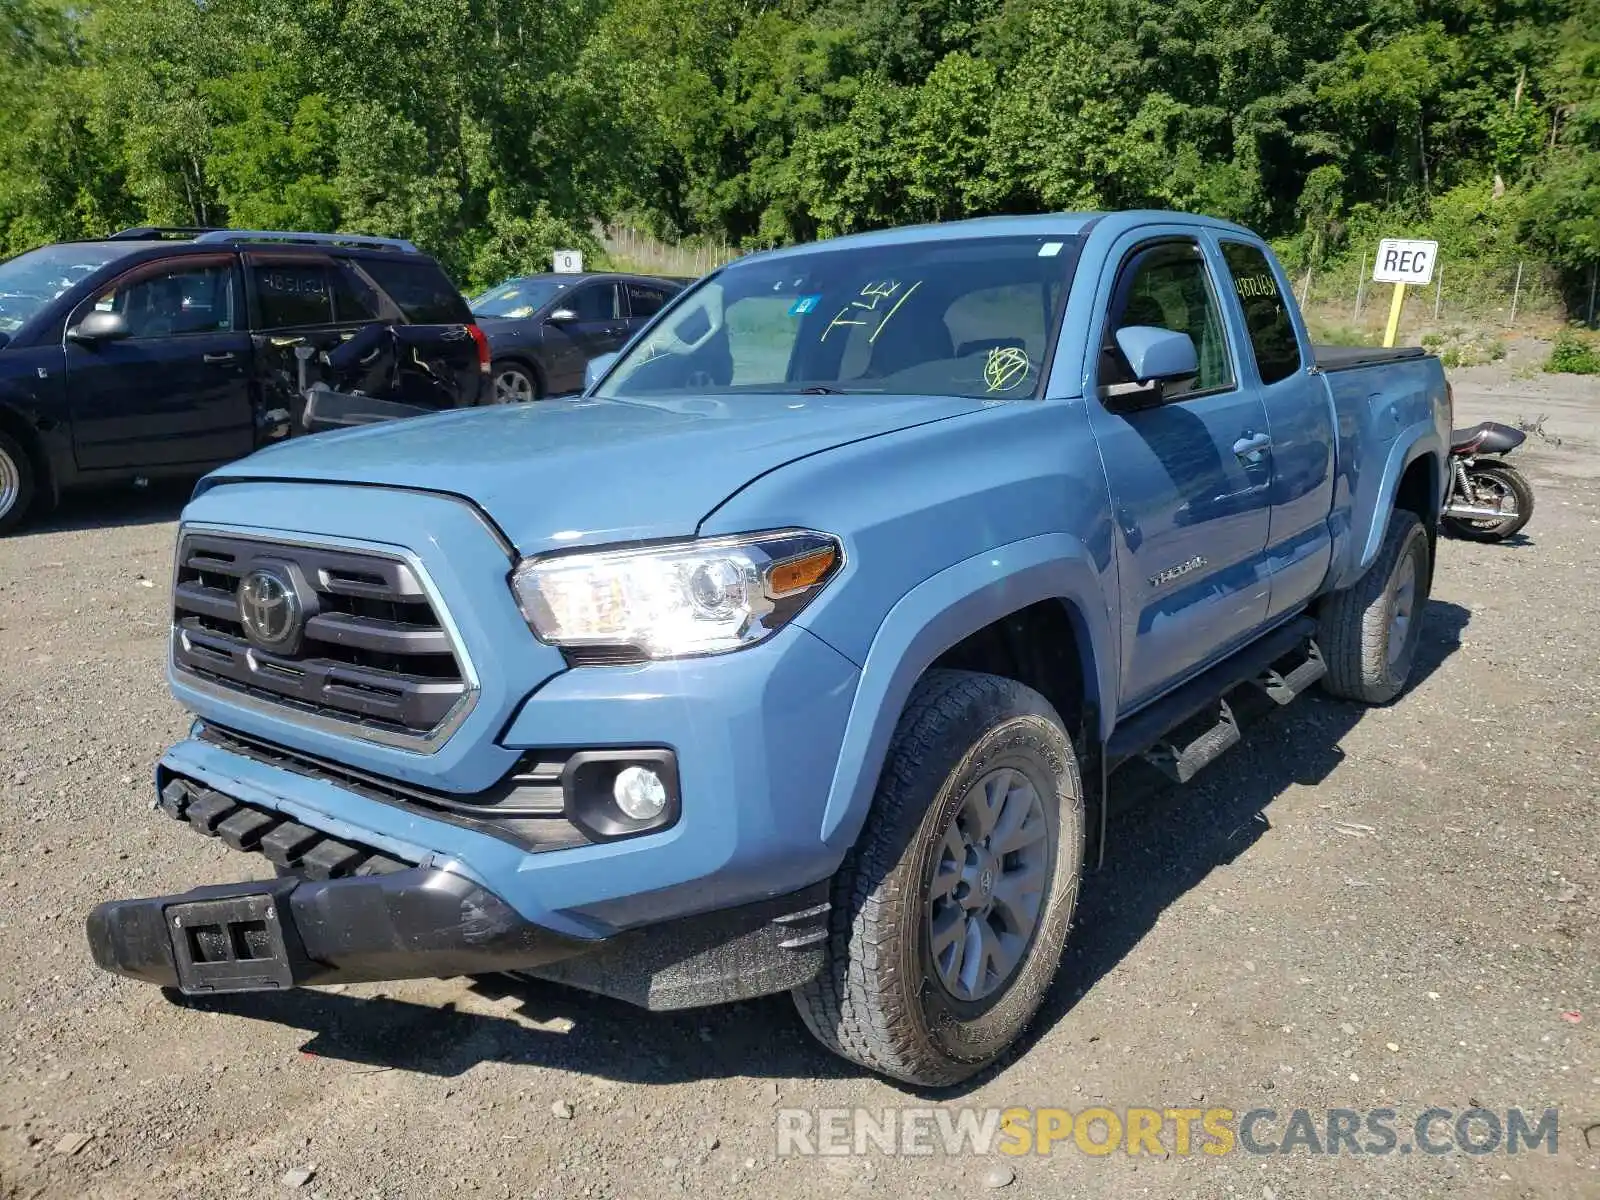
(425, 922)
(285, 932)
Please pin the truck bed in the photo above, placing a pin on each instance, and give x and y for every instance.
(1348, 358)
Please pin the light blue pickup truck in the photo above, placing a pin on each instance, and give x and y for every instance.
(797, 653)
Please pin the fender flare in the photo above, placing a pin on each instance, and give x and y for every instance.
(1417, 441)
(934, 616)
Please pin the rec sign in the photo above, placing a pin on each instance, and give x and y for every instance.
(1402, 261)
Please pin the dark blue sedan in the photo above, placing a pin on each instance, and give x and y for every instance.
(544, 329)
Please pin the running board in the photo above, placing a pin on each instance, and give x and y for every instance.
(1181, 765)
(1151, 724)
(1284, 688)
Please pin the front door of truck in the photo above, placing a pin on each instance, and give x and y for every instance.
(1190, 477)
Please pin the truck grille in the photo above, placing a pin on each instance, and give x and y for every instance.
(365, 647)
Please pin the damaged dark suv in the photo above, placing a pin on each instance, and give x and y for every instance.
(160, 352)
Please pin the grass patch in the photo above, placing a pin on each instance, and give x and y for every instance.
(1330, 333)
(1573, 354)
(1458, 348)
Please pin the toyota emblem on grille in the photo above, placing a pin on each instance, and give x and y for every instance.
(270, 610)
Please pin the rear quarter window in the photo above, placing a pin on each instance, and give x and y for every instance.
(1266, 313)
(419, 289)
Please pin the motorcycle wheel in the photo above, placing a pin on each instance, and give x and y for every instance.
(1500, 484)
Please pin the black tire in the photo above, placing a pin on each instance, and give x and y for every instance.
(16, 483)
(880, 1000)
(522, 383)
(1510, 482)
(1358, 627)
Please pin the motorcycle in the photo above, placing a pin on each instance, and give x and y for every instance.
(1489, 499)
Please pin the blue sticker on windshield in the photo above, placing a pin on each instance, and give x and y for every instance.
(804, 304)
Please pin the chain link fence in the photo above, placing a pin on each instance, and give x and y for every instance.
(1525, 298)
(632, 249)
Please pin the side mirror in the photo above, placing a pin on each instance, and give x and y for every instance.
(561, 316)
(597, 367)
(1157, 355)
(100, 327)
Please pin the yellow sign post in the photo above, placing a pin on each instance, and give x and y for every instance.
(1401, 262)
(1395, 305)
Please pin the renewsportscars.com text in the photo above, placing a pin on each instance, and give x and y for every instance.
(1215, 1131)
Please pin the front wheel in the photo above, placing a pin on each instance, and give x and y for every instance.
(514, 384)
(1495, 485)
(16, 483)
(950, 913)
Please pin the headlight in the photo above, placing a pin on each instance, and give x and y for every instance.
(668, 601)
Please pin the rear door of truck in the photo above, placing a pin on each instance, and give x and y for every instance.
(1276, 360)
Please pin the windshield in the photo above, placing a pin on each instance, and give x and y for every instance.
(30, 281)
(518, 297)
(941, 317)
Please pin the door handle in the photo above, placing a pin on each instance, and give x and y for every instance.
(1252, 446)
(225, 357)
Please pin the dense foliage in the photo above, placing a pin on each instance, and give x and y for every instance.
(490, 130)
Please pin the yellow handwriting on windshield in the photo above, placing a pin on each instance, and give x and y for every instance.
(1006, 368)
(868, 308)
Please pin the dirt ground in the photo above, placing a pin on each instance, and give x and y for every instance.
(1386, 908)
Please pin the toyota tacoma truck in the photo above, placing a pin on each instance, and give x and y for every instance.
(796, 654)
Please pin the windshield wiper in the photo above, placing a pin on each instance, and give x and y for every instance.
(820, 389)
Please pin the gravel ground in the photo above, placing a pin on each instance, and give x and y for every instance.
(1387, 908)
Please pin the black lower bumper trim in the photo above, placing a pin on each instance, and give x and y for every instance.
(718, 957)
(423, 923)
(410, 924)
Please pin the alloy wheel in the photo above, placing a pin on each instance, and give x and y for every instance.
(989, 885)
(512, 386)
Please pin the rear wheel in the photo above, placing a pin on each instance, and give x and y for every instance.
(16, 483)
(950, 912)
(1368, 633)
(514, 383)
(1495, 485)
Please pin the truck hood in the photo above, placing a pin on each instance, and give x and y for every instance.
(586, 472)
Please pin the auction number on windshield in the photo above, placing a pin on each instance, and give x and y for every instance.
(873, 307)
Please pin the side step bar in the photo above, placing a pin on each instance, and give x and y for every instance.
(1181, 765)
(1145, 734)
(1147, 726)
(1284, 688)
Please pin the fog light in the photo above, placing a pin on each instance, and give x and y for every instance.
(640, 793)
